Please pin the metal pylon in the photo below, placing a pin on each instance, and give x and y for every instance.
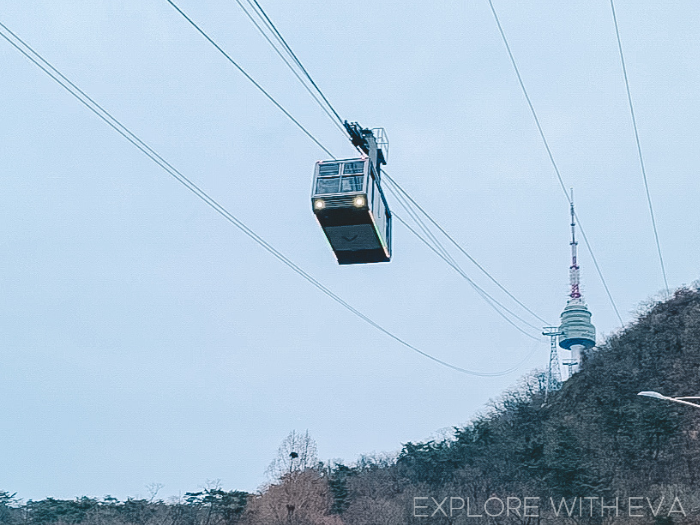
(553, 381)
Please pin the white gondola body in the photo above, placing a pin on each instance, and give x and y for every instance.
(349, 204)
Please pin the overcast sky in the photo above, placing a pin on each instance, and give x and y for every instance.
(146, 340)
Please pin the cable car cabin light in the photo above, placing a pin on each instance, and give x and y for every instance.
(351, 208)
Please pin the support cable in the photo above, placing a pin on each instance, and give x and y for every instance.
(415, 217)
(461, 249)
(551, 159)
(486, 296)
(251, 79)
(639, 147)
(334, 118)
(115, 124)
(444, 254)
(295, 58)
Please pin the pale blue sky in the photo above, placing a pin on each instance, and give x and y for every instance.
(147, 340)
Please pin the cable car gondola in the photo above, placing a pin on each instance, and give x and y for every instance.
(349, 204)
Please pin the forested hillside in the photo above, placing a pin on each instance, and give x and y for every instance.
(594, 452)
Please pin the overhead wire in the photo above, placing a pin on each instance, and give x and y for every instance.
(436, 246)
(551, 159)
(32, 55)
(639, 147)
(251, 79)
(440, 248)
(486, 296)
(329, 112)
(461, 249)
(436, 243)
(415, 217)
(282, 40)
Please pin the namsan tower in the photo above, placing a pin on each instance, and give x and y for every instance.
(577, 333)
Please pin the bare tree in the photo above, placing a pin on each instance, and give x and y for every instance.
(296, 453)
(300, 498)
(153, 490)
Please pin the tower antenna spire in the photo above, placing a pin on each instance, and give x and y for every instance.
(574, 271)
